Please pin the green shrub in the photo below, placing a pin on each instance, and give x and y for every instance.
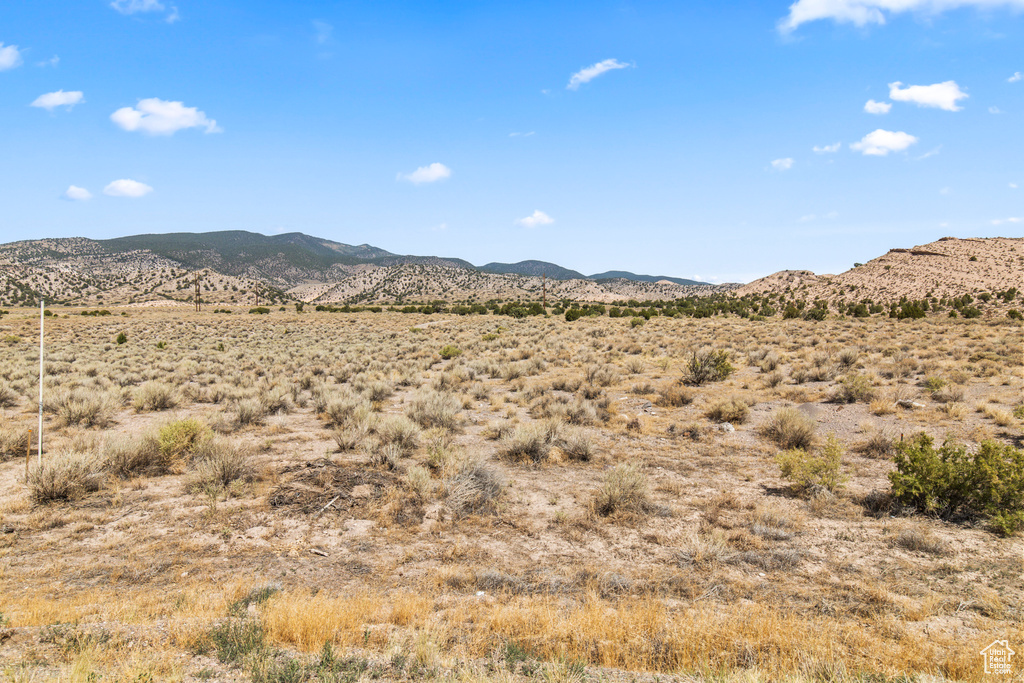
(708, 365)
(807, 469)
(259, 310)
(122, 338)
(636, 322)
(180, 439)
(1014, 314)
(953, 483)
(449, 351)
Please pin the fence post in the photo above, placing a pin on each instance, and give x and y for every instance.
(42, 308)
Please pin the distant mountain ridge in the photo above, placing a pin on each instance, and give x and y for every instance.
(285, 259)
(233, 266)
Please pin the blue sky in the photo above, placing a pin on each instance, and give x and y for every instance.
(659, 137)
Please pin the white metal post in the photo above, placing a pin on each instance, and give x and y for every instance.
(39, 454)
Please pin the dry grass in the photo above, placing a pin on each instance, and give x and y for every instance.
(383, 489)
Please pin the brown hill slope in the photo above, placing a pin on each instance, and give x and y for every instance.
(946, 268)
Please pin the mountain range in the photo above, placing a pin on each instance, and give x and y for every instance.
(163, 267)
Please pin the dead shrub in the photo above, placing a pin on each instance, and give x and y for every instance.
(13, 442)
(530, 442)
(8, 397)
(472, 486)
(82, 406)
(674, 396)
(789, 428)
(65, 476)
(249, 411)
(732, 410)
(624, 489)
(155, 396)
(398, 430)
(217, 464)
(922, 540)
(435, 409)
(705, 550)
(878, 445)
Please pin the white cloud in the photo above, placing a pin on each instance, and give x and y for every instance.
(783, 164)
(52, 61)
(427, 174)
(136, 6)
(828, 149)
(873, 107)
(173, 16)
(323, 31)
(863, 12)
(10, 57)
(881, 142)
(77, 194)
(1017, 76)
(1000, 221)
(995, 110)
(52, 100)
(535, 219)
(521, 135)
(1013, 186)
(589, 73)
(930, 153)
(160, 117)
(939, 95)
(127, 188)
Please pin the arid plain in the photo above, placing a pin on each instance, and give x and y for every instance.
(331, 496)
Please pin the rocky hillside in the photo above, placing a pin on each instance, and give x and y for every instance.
(233, 266)
(415, 282)
(950, 267)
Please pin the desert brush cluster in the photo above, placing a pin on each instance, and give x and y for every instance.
(329, 496)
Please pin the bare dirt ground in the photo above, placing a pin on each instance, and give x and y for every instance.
(447, 518)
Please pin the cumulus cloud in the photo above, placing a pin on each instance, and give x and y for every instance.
(873, 107)
(1000, 221)
(10, 57)
(939, 95)
(137, 6)
(589, 73)
(537, 218)
(1017, 76)
(427, 174)
(160, 117)
(863, 12)
(77, 194)
(52, 100)
(127, 188)
(783, 164)
(881, 142)
(827, 149)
